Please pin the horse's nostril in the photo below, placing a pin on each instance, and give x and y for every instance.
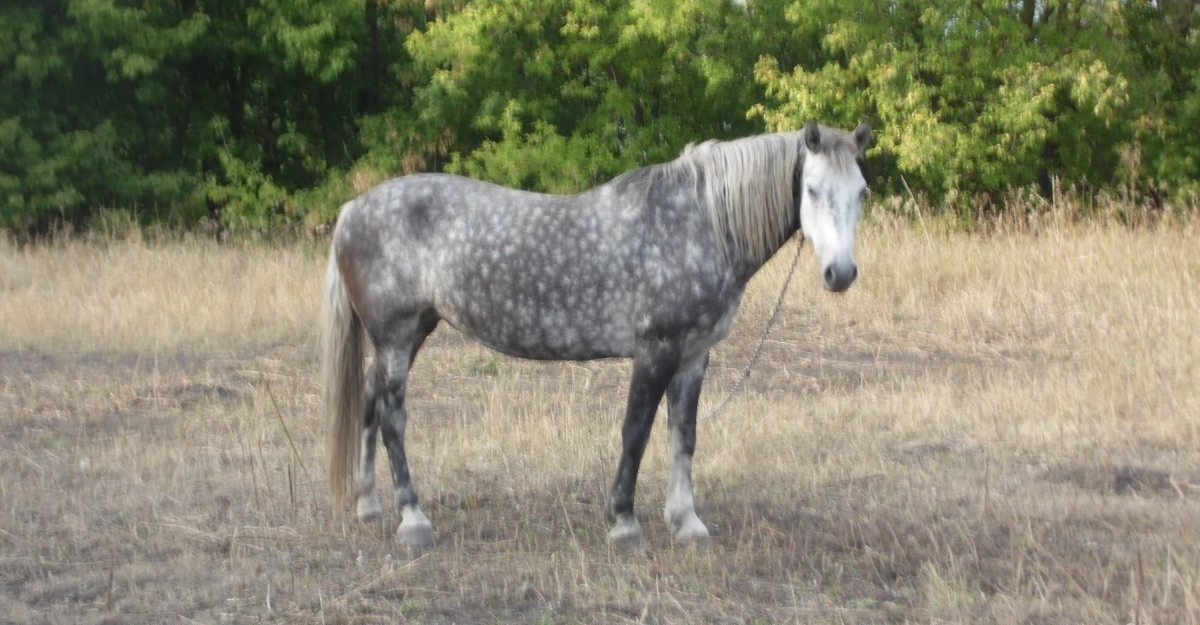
(838, 278)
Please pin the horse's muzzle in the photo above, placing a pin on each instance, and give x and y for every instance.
(839, 276)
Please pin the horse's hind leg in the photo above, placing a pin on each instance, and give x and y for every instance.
(394, 355)
(368, 502)
(683, 396)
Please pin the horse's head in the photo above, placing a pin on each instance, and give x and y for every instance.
(832, 187)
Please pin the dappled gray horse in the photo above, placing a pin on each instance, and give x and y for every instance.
(651, 265)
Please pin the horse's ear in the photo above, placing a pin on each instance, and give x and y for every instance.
(863, 137)
(812, 137)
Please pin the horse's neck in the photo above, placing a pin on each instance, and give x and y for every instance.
(744, 265)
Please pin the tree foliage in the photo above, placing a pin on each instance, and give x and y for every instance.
(258, 113)
(982, 96)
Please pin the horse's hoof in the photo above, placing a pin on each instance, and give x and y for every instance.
(369, 510)
(687, 526)
(626, 536)
(692, 532)
(415, 536)
(415, 531)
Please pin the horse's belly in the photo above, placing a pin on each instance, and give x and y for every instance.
(543, 332)
(546, 351)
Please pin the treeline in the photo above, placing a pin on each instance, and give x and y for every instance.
(266, 113)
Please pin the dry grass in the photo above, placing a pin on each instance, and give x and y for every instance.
(139, 296)
(985, 429)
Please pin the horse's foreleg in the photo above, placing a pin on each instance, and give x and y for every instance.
(654, 364)
(368, 502)
(683, 397)
(415, 529)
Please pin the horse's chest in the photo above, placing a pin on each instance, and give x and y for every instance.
(709, 327)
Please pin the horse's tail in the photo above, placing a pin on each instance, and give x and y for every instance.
(342, 375)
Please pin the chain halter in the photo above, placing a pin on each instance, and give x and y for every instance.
(745, 375)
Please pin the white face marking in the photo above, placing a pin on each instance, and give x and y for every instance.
(830, 207)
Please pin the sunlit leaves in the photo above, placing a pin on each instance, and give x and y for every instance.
(967, 97)
(264, 112)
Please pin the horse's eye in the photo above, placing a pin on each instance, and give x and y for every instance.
(811, 192)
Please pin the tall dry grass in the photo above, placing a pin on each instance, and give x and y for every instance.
(137, 294)
(999, 428)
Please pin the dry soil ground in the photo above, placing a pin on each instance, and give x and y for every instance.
(998, 428)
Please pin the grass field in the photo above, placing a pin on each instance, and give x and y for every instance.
(999, 428)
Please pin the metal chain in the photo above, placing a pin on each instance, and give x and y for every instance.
(737, 386)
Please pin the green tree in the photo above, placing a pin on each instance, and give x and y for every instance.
(978, 97)
(559, 95)
(78, 123)
(269, 112)
(181, 108)
(1165, 40)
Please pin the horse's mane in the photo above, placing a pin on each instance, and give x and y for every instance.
(748, 185)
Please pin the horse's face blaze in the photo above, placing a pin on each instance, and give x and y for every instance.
(830, 208)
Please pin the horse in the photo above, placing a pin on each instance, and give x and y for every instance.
(651, 266)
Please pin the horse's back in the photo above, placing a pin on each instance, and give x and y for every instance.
(435, 209)
(536, 275)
